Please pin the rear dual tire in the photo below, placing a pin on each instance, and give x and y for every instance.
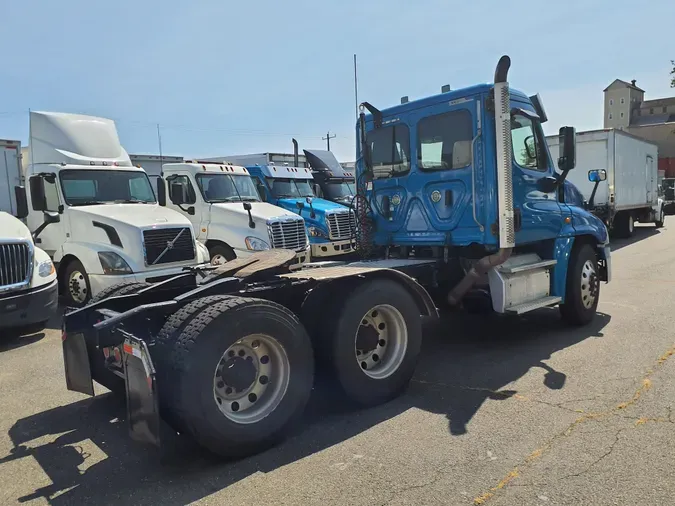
(373, 341)
(234, 373)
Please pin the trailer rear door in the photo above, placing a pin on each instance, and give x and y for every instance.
(10, 175)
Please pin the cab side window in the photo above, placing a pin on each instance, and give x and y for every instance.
(526, 140)
(186, 187)
(261, 189)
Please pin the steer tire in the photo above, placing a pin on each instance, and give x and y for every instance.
(99, 372)
(341, 337)
(191, 346)
(659, 221)
(574, 310)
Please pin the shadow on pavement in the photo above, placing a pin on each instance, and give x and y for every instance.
(639, 233)
(86, 452)
(11, 339)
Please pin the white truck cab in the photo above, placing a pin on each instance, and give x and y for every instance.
(226, 212)
(28, 287)
(96, 214)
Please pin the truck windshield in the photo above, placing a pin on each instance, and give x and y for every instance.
(96, 186)
(337, 189)
(287, 187)
(227, 188)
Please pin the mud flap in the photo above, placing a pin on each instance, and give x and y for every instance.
(141, 391)
(76, 363)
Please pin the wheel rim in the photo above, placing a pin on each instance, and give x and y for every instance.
(218, 259)
(77, 286)
(589, 284)
(251, 378)
(381, 341)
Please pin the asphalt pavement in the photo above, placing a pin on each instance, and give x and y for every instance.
(502, 411)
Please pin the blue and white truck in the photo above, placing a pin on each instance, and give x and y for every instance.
(457, 196)
(330, 226)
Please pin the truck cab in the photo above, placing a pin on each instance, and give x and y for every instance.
(466, 177)
(28, 286)
(331, 181)
(222, 203)
(94, 213)
(330, 225)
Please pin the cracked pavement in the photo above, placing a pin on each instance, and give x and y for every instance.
(501, 412)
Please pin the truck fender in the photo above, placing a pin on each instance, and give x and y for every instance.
(424, 301)
(86, 253)
(562, 251)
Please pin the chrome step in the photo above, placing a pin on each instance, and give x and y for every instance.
(531, 306)
(528, 267)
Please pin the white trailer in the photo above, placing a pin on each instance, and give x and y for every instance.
(10, 174)
(630, 191)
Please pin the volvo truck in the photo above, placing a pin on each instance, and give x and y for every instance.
(97, 214)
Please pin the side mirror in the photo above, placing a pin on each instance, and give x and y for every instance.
(308, 200)
(300, 205)
(161, 191)
(176, 193)
(37, 193)
(191, 210)
(51, 217)
(595, 176)
(247, 206)
(568, 148)
(21, 202)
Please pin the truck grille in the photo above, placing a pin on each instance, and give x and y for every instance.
(341, 225)
(288, 234)
(15, 264)
(167, 245)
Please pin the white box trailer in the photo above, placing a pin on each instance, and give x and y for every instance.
(10, 174)
(630, 191)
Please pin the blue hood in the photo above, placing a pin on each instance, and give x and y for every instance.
(573, 196)
(320, 207)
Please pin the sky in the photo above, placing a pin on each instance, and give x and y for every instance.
(224, 78)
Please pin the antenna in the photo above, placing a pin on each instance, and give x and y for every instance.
(30, 137)
(159, 140)
(356, 91)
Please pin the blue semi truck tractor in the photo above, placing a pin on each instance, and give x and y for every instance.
(457, 196)
(330, 226)
(465, 177)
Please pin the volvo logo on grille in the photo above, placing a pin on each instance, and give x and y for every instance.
(169, 246)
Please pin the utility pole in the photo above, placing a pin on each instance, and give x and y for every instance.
(327, 139)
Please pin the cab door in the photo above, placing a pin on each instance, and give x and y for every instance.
(193, 208)
(538, 215)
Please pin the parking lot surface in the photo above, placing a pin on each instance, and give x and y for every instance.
(502, 411)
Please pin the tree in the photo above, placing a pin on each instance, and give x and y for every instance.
(672, 73)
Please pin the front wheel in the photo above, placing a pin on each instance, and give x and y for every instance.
(374, 342)
(221, 254)
(659, 222)
(75, 284)
(582, 293)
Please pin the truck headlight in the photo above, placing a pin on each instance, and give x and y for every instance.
(317, 232)
(112, 263)
(255, 244)
(46, 269)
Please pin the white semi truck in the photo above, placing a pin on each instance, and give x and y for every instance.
(626, 190)
(28, 286)
(226, 212)
(103, 223)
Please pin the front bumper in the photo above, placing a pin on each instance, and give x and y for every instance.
(333, 248)
(29, 306)
(98, 282)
